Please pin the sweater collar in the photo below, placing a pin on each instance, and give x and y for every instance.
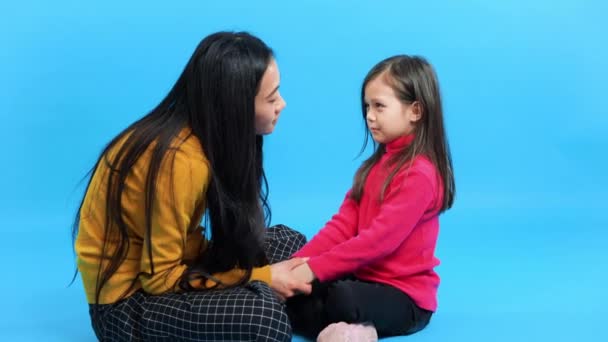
(399, 143)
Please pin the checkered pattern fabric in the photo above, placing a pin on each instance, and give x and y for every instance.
(248, 313)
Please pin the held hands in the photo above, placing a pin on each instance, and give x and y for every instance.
(303, 273)
(290, 277)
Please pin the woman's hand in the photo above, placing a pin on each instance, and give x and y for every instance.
(285, 282)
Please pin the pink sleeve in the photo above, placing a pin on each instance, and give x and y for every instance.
(399, 213)
(340, 228)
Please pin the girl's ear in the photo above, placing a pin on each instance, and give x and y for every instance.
(415, 111)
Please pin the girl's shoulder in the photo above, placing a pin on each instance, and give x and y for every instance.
(423, 165)
(420, 172)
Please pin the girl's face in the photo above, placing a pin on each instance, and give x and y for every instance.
(268, 101)
(388, 118)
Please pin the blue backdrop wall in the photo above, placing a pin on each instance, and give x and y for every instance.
(523, 82)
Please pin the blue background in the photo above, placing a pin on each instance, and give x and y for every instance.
(523, 250)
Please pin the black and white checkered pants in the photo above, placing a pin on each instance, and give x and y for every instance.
(248, 313)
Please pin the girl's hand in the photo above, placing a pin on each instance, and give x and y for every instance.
(285, 282)
(304, 273)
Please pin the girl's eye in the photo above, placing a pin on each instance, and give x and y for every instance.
(379, 105)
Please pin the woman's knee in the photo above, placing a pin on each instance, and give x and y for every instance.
(285, 233)
(269, 318)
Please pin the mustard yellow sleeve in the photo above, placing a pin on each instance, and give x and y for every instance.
(262, 274)
(181, 185)
(233, 276)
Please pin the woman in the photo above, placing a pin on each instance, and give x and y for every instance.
(149, 270)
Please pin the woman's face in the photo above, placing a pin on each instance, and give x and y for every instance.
(268, 101)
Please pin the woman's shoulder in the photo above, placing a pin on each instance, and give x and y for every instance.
(184, 165)
(189, 148)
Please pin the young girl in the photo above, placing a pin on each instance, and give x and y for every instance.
(373, 261)
(148, 270)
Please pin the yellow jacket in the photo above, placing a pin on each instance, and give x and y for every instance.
(176, 235)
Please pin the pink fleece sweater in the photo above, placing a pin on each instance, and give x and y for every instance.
(392, 242)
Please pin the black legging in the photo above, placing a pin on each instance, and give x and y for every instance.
(350, 300)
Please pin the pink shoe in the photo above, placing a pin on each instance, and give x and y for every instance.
(343, 332)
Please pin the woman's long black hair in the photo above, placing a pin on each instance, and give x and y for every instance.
(214, 97)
